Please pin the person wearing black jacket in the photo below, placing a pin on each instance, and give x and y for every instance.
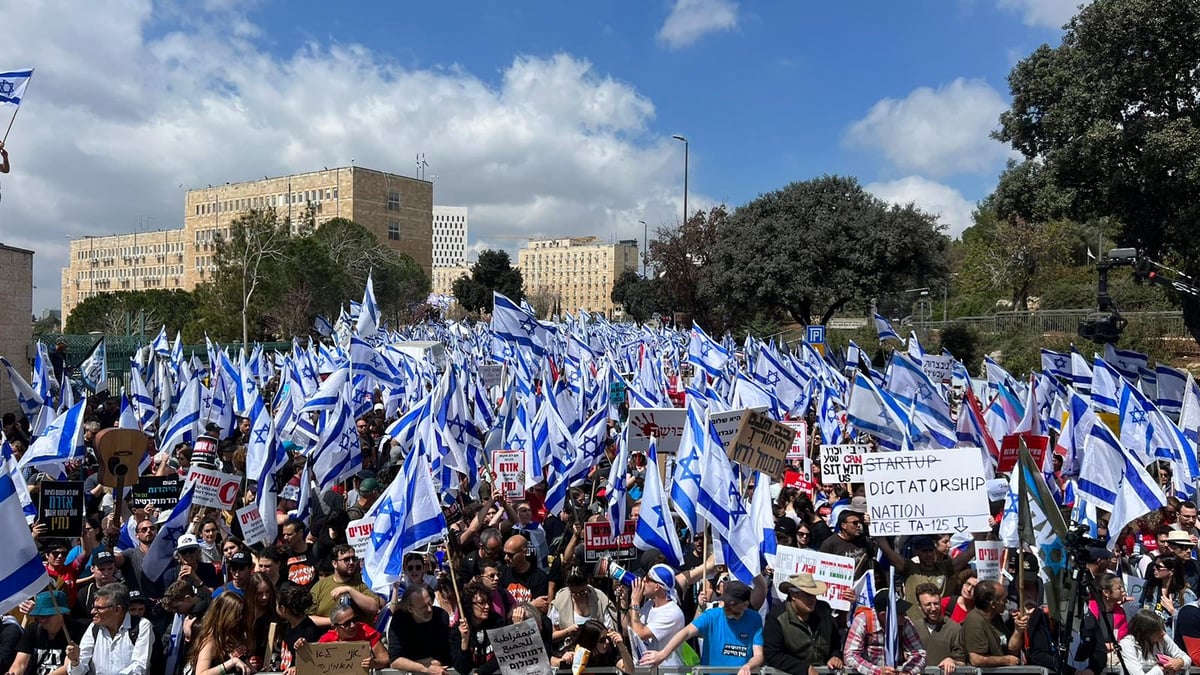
(470, 650)
(801, 632)
(1103, 623)
(419, 634)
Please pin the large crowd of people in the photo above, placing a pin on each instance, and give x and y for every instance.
(224, 608)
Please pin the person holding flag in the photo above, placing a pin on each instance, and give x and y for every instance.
(5, 166)
(732, 635)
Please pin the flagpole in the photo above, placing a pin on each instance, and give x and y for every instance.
(10, 123)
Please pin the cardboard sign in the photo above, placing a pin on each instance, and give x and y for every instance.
(60, 507)
(926, 492)
(327, 658)
(119, 451)
(989, 556)
(519, 649)
(253, 528)
(1010, 450)
(762, 444)
(937, 367)
(599, 542)
(837, 571)
(158, 491)
(842, 463)
(489, 374)
(213, 488)
(728, 423)
(664, 424)
(358, 535)
(509, 469)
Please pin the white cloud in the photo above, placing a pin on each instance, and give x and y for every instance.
(932, 197)
(114, 130)
(691, 20)
(936, 132)
(1043, 13)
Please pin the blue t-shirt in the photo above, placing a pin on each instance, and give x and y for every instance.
(728, 642)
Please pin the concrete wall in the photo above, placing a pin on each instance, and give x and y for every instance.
(16, 313)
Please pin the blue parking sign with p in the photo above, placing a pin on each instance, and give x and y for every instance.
(816, 335)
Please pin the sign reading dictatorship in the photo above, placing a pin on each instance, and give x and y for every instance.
(842, 463)
(926, 492)
(762, 444)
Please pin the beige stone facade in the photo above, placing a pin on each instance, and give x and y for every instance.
(578, 272)
(397, 209)
(16, 317)
(124, 262)
(444, 277)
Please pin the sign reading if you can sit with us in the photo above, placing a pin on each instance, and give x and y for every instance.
(926, 492)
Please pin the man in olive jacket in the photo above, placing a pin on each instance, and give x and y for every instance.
(801, 634)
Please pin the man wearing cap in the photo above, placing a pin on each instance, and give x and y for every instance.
(43, 647)
(241, 567)
(1180, 543)
(801, 633)
(189, 567)
(345, 581)
(942, 638)
(368, 491)
(850, 539)
(659, 617)
(928, 569)
(104, 572)
(732, 635)
(866, 641)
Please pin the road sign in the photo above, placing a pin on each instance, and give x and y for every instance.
(815, 336)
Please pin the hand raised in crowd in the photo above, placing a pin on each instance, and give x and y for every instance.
(39, 529)
(638, 592)
(464, 630)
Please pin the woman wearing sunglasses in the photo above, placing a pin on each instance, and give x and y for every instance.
(472, 651)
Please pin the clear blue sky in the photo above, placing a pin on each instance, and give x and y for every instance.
(542, 117)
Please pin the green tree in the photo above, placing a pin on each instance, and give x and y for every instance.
(249, 261)
(129, 311)
(812, 247)
(1112, 118)
(680, 260)
(492, 272)
(639, 297)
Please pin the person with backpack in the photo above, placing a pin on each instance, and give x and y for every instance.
(117, 642)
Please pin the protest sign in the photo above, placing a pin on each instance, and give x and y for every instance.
(326, 658)
(837, 571)
(988, 558)
(358, 535)
(727, 424)
(489, 374)
(761, 444)
(161, 492)
(253, 529)
(60, 507)
(1134, 584)
(797, 480)
(1010, 450)
(509, 467)
(599, 542)
(519, 649)
(926, 492)
(842, 463)
(664, 424)
(799, 449)
(213, 488)
(938, 368)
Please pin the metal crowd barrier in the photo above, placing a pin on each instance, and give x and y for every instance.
(704, 670)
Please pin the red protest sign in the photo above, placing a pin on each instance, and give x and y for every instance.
(1010, 450)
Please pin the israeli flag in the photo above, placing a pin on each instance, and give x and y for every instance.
(407, 516)
(61, 442)
(655, 526)
(12, 87)
(1113, 480)
(94, 369)
(31, 401)
(322, 326)
(8, 465)
(162, 549)
(184, 426)
(22, 573)
(885, 330)
(764, 520)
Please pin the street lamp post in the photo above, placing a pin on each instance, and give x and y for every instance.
(685, 174)
(645, 246)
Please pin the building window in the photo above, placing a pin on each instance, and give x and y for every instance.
(393, 228)
(393, 203)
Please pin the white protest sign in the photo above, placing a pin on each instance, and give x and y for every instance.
(253, 529)
(842, 463)
(665, 424)
(937, 367)
(509, 467)
(799, 448)
(988, 557)
(519, 649)
(837, 571)
(926, 492)
(213, 488)
(1133, 585)
(358, 535)
(489, 374)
